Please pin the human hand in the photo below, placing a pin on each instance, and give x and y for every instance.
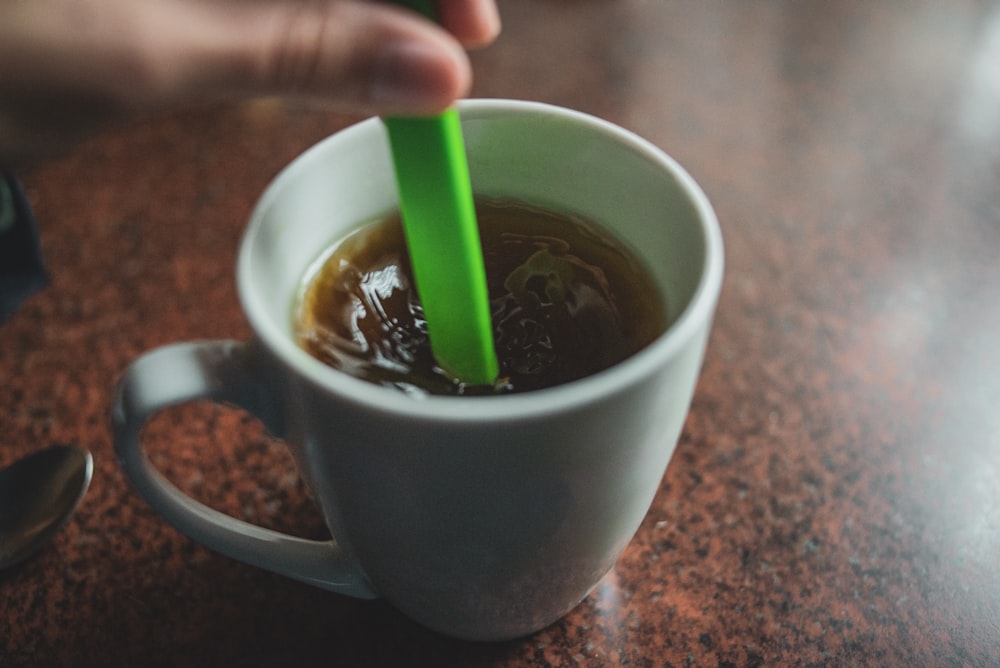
(70, 68)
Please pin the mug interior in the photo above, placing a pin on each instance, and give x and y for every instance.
(542, 155)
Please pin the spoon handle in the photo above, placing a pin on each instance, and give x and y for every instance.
(442, 236)
(425, 7)
(439, 222)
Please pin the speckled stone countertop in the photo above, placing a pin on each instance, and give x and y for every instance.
(835, 497)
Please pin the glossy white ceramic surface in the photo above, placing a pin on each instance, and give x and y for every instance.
(483, 518)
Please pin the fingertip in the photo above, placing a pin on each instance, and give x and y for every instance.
(419, 76)
(474, 23)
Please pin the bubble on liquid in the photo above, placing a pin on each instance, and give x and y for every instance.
(556, 314)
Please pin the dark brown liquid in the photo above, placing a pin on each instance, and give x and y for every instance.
(566, 299)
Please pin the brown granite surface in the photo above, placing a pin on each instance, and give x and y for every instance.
(835, 498)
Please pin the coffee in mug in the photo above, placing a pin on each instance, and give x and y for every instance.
(567, 299)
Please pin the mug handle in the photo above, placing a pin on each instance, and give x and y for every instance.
(231, 372)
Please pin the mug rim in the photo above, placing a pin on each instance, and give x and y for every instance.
(493, 407)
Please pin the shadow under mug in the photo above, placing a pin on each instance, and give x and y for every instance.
(484, 518)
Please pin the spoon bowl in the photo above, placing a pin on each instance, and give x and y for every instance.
(38, 494)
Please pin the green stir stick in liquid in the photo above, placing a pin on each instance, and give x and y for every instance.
(439, 223)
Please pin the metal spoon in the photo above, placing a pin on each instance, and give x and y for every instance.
(37, 495)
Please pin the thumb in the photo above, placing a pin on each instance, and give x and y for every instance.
(359, 57)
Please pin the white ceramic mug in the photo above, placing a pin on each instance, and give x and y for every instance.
(481, 517)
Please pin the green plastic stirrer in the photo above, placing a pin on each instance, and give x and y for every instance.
(439, 222)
